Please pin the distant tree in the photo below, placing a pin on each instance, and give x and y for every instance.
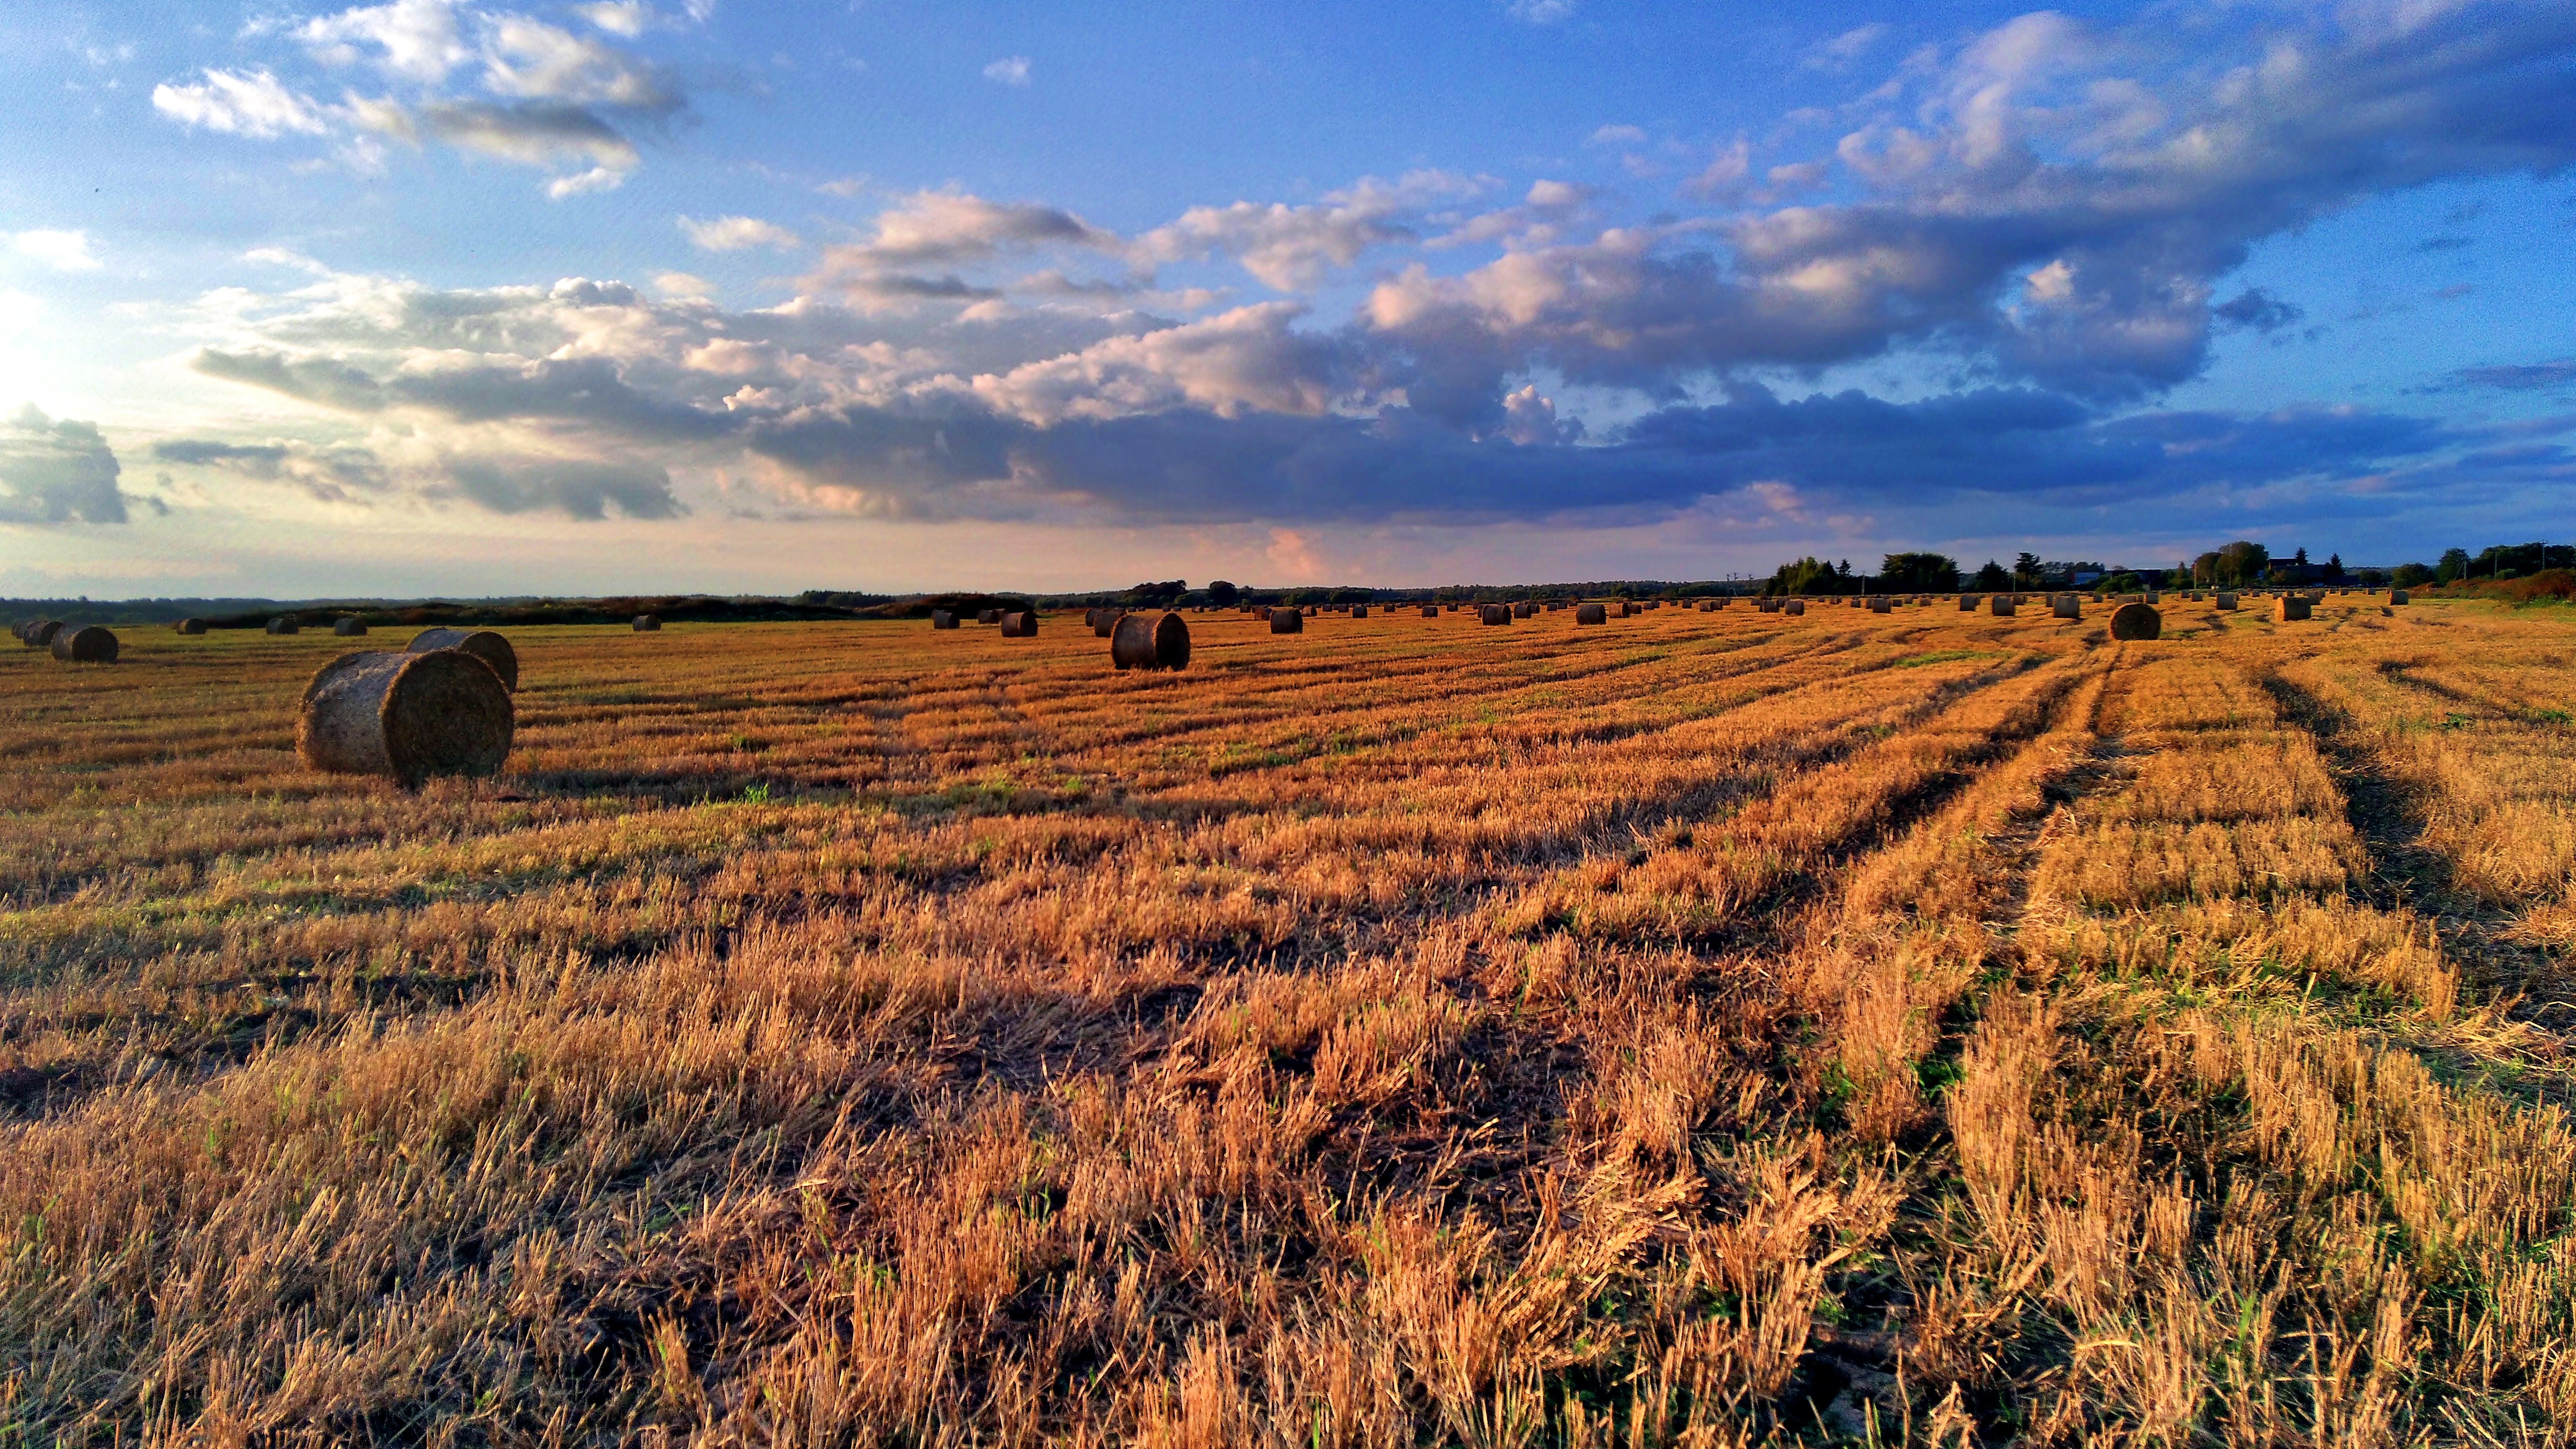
(2240, 562)
(2411, 575)
(2334, 565)
(1992, 577)
(2026, 568)
(1164, 593)
(2455, 565)
(1224, 595)
(2300, 557)
(1918, 573)
(1806, 576)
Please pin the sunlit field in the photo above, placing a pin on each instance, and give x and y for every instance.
(1703, 1028)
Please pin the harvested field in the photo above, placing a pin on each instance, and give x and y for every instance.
(1697, 1027)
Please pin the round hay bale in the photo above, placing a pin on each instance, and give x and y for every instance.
(1021, 625)
(1880, 604)
(648, 623)
(1524, 610)
(2136, 621)
(1431, 611)
(2069, 606)
(1359, 611)
(483, 644)
(1150, 643)
(988, 616)
(2223, 600)
(2397, 596)
(284, 625)
(1494, 614)
(1793, 606)
(1627, 609)
(189, 626)
(408, 716)
(2003, 605)
(1590, 614)
(1968, 603)
(1104, 622)
(93, 645)
(1287, 621)
(350, 628)
(40, 634)
(2290, 608)
(942, 619)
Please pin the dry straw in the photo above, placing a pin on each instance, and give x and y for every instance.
(2136, 621)
(93, 645)
(483, 644)
(407, 716)
(1140, 642)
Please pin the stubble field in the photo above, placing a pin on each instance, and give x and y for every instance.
(1698, 1029)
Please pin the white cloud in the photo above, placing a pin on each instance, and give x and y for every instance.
(1010, 70)
(415, 40)
(738, 233)
(1840, 52)
(681, 286)
(597, 178)
(64, 251)
(1540, 12)
(530, 60)
(628, 18)
(239, 103)
(1616, 136)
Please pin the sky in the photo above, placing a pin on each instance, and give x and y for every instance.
(445, 297)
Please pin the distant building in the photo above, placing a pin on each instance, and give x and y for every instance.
(2293, 573)
(2085, 578)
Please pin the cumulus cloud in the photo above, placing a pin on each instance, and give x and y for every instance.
(738, 233)
(1010, 70)
(56, 471)
(326, 473)
(1294, 248)
(548, 97)
(1539, 12)
(239, 103)
(64, 251)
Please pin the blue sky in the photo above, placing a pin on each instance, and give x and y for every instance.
(451, 297)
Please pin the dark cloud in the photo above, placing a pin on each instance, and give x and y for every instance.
(331, 474)
(2258, 310)
(54, 472)
(2520, 377)
(578, 488)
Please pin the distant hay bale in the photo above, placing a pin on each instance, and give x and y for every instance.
(2068, 606)
(483, 644)
(284, 625)
(189, 626)
(1287, 621)
(2136, 621)
(648, 623)
(1104, 622)
(2154, 596)
(40, 633)
(409, 716)
(2224, 600)
(1359, 611)
(1140, 642)
(349, 628)
(2003, 605)
(1880, 604)
(1525, 610)
(1020, 625)
(1431, 611)
(93, 645)
(1793, 606)
(2397, 596)
(2290, 608)
(988, 616)
(942, 619)
(1494, 613)
(1627, 609)
(1968, 603)
(1590, 614)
